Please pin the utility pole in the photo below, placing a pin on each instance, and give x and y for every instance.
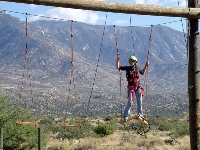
(192, 13)
(193, 80)
(39, 138)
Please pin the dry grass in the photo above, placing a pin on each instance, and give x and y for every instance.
(123, 140)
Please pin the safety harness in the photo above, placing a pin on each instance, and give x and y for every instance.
(133, 79)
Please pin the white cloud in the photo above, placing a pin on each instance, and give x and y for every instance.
(120, 22)
(182, 3)
(152, 1)
(149, 2)
(70, 14)
(139, 1)
(32, 6)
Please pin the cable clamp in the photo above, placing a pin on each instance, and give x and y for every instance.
(196, 72)
(197, 33)
(196, 48)
(191, 86)
(197, 100)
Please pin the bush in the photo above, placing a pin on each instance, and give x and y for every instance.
(71, 133)
(76, 133)
(180, 130)
(104, 129)
(16, 136)
(177, 126)
(162, 123)
(108, 118)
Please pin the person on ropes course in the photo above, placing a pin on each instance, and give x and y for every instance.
(133, 87)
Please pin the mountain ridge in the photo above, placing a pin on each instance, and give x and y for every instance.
(49, 55)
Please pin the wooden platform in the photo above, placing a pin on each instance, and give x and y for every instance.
(137, 117)
(35, 123)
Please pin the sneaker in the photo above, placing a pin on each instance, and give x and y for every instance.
(125, 119)
(142, 117)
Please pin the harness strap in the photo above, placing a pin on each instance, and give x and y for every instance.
(135, 90)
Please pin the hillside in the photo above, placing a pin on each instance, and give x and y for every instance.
(49, 60)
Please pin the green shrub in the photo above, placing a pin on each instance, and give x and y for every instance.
(177, 126)
(108, 118)
(16, 136)
(76, 133)
(71, 133)
(180, 130)
(183, 130)
(164, 126)
(161, 123)
(104, 129)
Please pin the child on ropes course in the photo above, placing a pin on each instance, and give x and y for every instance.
(133, 78)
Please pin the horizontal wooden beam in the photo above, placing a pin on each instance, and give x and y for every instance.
(26, 123)
(71, 126)
(118, 7)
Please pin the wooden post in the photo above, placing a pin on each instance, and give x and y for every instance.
(39, 138)
(193, 81)
(117, 7)
(1, 140)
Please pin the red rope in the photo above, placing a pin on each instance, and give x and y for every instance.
(132, 35)
(29, 77)
(95, 75)
(116, 42)
(72, 78)
(72, 71)
(72, 49)
(146, 74)
(120, 76)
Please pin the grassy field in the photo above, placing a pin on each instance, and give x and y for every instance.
(97, 132)
(125, 138)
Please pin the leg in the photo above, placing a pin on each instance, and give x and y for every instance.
(127, 110)
(138, 95)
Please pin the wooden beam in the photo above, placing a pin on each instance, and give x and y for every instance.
(26, 123)
(118, 7)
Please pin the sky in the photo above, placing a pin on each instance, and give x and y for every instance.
(98, 18)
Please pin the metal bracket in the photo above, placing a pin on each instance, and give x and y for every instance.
(197, 33)
(197, 100)
(191, 86)
(196, 48)
(196, 72)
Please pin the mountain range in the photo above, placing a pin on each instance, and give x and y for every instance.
(89, 73)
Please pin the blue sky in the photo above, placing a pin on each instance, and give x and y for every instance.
(95, 17)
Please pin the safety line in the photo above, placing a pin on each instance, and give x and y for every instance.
(146, 74)
(120, 74)
(29, 77)
(59, 19)
(72, 79)
(186, 38)
(101, 45)
(132, 35)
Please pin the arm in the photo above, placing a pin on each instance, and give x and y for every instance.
(145, 68)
